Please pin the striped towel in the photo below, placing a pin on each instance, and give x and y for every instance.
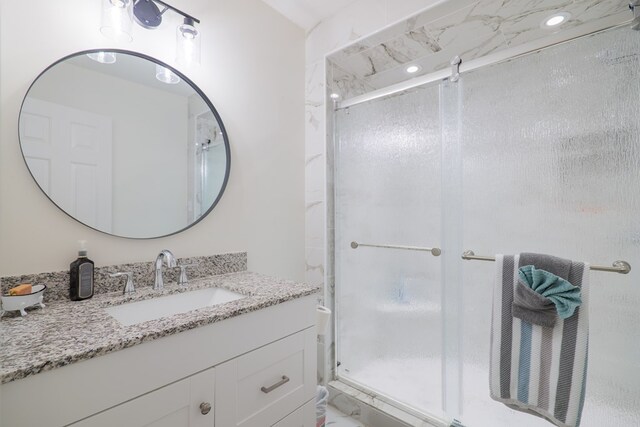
(535, 369)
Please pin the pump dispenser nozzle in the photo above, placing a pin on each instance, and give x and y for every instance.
(82, 247)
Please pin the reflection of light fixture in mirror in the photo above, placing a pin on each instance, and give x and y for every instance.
(187, 43)
(117, 19)
(165, 75)
(103, 57)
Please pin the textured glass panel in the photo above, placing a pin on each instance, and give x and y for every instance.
(452, 218)
(388, 301)
(551, 146)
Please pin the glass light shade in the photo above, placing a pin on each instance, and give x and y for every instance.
(117, 20)
(187, 44)
(103, 57)
(165, 75)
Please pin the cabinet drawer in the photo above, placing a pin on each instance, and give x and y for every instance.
(175, 405)
(263, 386)
(304, 416)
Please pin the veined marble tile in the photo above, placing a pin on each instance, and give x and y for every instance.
(475, 30)
(439, 11)
(353, 49)
(359, 19)
(314, 223)
(516, 18)
(467, 34)
(392, 53)
(314, 265)
(418, 20)
(315, 175)
(399, 10)
(335, 418)
(314, 133)
(525, 27)
(347, 84)
(600, 8)
(315, 84)
(314, 102)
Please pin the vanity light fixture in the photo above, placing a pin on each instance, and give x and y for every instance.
(555, 20)
(118, 17)
(187, 43)
(103, 57)
(165, 75)
(412, 69)
(334, 96)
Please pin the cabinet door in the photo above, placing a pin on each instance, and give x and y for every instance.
(176, 405)
(263, 386)
(302, 417)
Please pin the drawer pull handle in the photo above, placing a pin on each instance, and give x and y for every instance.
(283, 381)
(205, 408)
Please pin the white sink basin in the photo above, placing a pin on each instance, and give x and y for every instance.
(142, 311)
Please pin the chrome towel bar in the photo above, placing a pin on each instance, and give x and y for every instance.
(434, 251)
(622, 267)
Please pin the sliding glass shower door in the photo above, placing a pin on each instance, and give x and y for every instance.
(537, 154)
(389, 299)
(551, 146)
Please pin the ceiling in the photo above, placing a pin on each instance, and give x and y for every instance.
(308, 13)
(470, 29)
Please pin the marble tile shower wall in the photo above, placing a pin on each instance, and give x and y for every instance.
(468, 28)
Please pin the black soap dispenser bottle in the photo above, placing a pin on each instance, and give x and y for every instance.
(81, 274)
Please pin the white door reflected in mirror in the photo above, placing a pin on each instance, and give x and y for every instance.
(121, 151)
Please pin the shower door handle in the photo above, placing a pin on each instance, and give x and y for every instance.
(434, 251)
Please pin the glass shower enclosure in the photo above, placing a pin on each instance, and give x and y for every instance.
(540, 153)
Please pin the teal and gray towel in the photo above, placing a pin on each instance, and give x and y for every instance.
(541, 296)
(539, 344)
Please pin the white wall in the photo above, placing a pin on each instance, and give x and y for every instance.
(149, 136)
(253, 72)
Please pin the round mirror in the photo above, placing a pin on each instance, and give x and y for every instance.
(124, 143)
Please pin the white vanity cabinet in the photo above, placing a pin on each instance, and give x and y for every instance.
(260, 387)
(237, 366)
(186, 403)
(301, 417)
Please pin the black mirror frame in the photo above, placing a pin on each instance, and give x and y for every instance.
(185, 79)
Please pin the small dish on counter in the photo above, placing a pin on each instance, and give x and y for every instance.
(20, 302)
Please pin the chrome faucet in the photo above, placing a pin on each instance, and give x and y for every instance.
(129, 289)
(165, 254)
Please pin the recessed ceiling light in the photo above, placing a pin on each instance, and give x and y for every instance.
(334, 96)
(412, 69)
(555, 20)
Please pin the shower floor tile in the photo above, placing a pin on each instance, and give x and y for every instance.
(336, 418)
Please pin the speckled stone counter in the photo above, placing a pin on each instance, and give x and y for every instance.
(66, 332)
(143, 274)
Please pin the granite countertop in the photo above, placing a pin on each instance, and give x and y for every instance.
(66, 332)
